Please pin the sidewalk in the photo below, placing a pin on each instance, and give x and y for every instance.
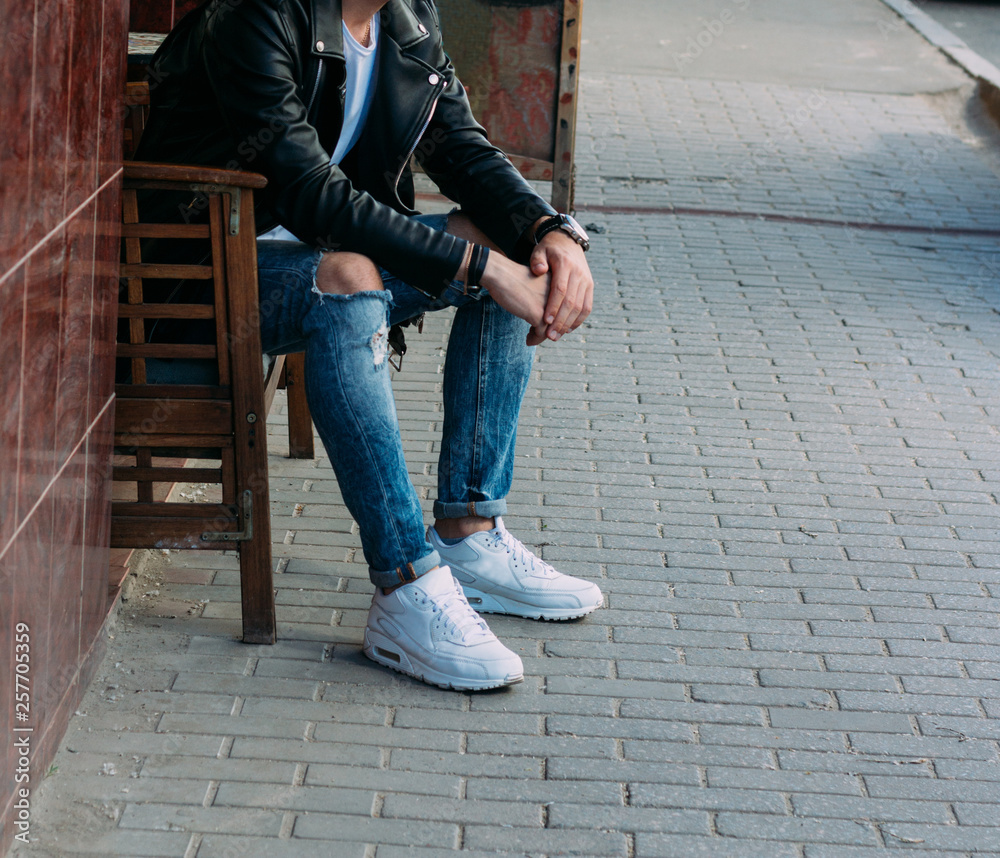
(777, 445)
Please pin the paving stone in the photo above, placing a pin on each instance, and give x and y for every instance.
(794, 829)
(499, 814)
(611, 844)
(256, 822)
(251, 770)
(849, 807)
(577, 816)
(649, 845)
(294, 797)
(700, 754)
(854, 763)
(924, 704)
(784, 781)
(841, 721)
(575, 792)
(930, 789)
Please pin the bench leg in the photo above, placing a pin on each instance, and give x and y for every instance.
(300, 431)
(257, 587)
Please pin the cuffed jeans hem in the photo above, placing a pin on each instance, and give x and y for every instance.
(405, 574)
(485, 509)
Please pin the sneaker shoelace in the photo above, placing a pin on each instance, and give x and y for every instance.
(453, 611)
(535, 566)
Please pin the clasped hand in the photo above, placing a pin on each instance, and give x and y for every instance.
(554, 293)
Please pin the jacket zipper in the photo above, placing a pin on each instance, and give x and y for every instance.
(312, 98)
(413, 148)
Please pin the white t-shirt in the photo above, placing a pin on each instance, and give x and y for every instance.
(359, 91)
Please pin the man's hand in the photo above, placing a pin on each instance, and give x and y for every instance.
(519, 292)
(571, 290)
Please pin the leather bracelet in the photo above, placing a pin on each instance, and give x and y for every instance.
(545, 227)
(477, 265)
(463, 268)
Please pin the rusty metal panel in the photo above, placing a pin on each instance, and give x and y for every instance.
(507, 54)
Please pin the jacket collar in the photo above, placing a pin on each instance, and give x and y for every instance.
(327, 29)
(399, 22)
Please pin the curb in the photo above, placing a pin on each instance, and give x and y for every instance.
(982, 70)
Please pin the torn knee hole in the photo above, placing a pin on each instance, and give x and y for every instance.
(379, 344)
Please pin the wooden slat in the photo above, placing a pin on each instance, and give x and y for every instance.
(126, 439)
(204, 511)
(197, 417)
(195, 351)
(172, 391)
(164, 230)
(167, 475)
(218, 217)
(144, 171)
(166, 311)
(154, 532)
(182, 453)
(156, 271)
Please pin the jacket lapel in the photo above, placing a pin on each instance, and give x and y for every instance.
(402, 25)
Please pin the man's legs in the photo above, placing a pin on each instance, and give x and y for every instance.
(336, 308)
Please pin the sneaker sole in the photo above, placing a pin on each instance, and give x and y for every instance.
(384, 652)
(491, 603)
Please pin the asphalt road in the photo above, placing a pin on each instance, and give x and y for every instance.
(862, 45)
(977, 24)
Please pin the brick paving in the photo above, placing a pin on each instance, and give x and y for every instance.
(776, 444)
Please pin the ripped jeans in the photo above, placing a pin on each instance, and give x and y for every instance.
(350, 396)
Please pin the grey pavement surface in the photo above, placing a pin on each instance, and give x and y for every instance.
(776, 444)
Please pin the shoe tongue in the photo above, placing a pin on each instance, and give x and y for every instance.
(437, 582)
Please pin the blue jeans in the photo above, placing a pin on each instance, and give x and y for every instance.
(350, 396)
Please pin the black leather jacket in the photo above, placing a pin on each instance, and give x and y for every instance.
(259, 85)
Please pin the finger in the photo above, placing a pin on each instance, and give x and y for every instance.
(539, 261)
(558, 285)
(587, 305)
(571, 305)
(536, 335)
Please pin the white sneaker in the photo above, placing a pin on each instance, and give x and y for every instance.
(427, 630)
(501, 576)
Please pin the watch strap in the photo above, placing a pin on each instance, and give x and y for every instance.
(546, 226)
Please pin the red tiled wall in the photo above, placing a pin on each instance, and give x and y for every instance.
(159, 16)
(61, 83)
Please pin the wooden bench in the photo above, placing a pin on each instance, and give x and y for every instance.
(205, 400)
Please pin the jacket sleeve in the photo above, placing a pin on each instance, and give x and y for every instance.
(252, 72)
(469, 169)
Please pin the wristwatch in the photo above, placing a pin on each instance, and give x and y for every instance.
(567, 224)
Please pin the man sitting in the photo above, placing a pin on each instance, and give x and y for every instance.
(329, 99)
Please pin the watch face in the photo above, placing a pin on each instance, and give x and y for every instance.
(571, 226)
(574, 224)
